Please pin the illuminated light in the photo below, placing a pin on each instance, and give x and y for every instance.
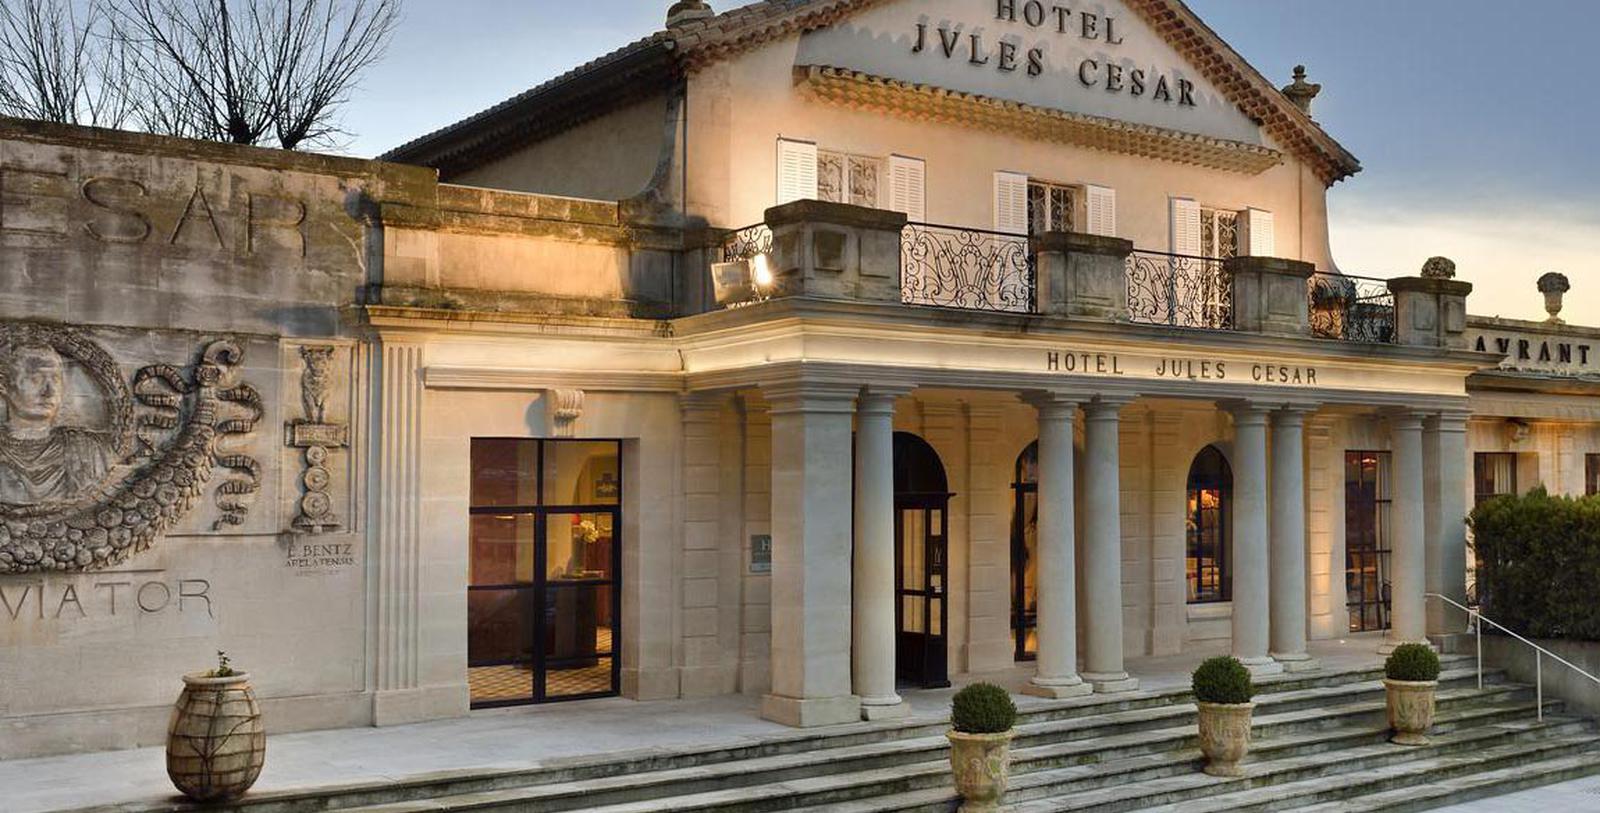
(761, 272)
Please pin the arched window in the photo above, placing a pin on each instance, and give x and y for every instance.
(1209, 525)
(1024, 568)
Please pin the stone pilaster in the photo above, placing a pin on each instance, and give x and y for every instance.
(1056, 670)
(1168, 576)
(755, 638)
(1408, 557)
(703, 669)
(1251, 574)
(1324, 521)
(989, 639)
(1288, 541)
(811, 529)
(1102, 548)
(873, 590)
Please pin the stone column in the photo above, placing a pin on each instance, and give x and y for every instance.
(399, 697)
(1056, 674)
(811, 528)
(1102, 550)
(1288, 542)
(1445, 443)
(1251, 622)
(873, 652)
(1408, 558)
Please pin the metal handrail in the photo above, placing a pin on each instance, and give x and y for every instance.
(1478, 619)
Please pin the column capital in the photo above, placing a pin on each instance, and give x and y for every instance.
(1403, 418)
(1051, 402)
(810, 396)
(1292, 414)
(1105, 406)
(877, 399)
(1245, 410)
(1450, 420)
(704, 400)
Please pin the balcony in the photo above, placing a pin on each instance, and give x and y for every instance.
(849, 252)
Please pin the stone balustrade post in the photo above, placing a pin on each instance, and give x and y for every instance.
(1082, 275)
(835, 250)
(1270, 295)
(1430, 312)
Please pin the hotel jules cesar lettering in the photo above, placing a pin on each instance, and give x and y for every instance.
(954, 41)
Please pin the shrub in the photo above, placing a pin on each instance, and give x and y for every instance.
(1412, 662)
(982, 708)
(1223, 680)
(1538, 562)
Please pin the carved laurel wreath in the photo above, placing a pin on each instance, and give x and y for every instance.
(139, 503)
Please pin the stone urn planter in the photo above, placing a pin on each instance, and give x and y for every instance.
(1411, 676)
(982, 717)
(215, 742)
(1223, 692)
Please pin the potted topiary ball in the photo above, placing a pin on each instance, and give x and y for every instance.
(981, 720)
(1223, 691)
(1410, 677)
(215, 743)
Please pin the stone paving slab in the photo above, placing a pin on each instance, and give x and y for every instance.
(1576, 796)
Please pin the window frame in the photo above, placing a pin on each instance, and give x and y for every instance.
(1479, 469)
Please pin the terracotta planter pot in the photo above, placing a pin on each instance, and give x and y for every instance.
(1225, 736)
(215, 743)
(982, 767)
(1410, 709)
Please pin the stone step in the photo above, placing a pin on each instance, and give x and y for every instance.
(1276, 784)
(1440, 793)
(778, 783)
(1476, 728)
(1043, 721)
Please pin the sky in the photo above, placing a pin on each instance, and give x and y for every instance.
(1476, 122)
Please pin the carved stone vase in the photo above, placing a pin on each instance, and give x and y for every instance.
(981, 764)
(1225, 736)
(1410, 709)
(215, 742)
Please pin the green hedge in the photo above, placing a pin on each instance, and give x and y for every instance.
(1539, 564)
(982, 708)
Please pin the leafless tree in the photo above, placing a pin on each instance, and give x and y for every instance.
(250, 71)
(57, 63)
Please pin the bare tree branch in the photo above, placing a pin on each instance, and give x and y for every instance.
(57, 63)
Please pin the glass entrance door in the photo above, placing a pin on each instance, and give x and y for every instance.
(543, 606)
(1366, 539)
(921, 610)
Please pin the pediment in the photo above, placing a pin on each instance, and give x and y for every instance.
(1101, 60)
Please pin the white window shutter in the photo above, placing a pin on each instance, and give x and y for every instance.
(1186, 227)
(1100, 203)
(908, 187)
(797, 171)
(1256, 237)
(1011, 203)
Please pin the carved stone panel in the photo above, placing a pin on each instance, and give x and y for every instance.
(93, 470)
(317, 436)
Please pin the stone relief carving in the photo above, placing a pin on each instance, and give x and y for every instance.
(83, 487)
(566, 407)
(317, 436)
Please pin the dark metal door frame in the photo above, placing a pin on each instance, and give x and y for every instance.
(928, 663)
(1365, 544)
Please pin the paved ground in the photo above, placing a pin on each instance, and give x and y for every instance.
(520, 738)
(1577, 796)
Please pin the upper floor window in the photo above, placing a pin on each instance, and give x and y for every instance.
(809, 172)
(846, 178)
(1051, 207)
(1219, 233)
(1208, 231)
(1493, 474)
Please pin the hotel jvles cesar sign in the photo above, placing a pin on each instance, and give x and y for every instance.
(1042, 18)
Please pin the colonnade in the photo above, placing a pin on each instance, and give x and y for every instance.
(834, 639)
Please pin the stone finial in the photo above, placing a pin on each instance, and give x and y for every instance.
(1439, 268)
(1300, 91)
(1554, 286)
(685, 11)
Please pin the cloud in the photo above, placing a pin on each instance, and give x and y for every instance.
(1501, 253)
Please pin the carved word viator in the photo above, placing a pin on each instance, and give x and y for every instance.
(84, 481)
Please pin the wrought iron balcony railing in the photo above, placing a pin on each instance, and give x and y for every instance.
(746, 243)
(1179, 290)
(972, 269)
(1352, 309)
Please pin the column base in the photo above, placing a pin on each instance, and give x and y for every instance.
(1262, 667)
(1057, 688)
(811, 712)
(1111, 683)
(872, 710)
(1299, 662)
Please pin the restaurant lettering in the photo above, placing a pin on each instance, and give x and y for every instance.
(1009, 56)
(1183, 369)
(1521, 352)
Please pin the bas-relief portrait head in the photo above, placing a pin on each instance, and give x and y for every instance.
(43, 458)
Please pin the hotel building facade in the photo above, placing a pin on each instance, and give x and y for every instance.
(808, 350)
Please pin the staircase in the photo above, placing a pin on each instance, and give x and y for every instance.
(1320, 745)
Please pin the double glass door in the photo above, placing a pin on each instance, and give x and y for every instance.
(921, 579)
(1367, 496)
(543, 606)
